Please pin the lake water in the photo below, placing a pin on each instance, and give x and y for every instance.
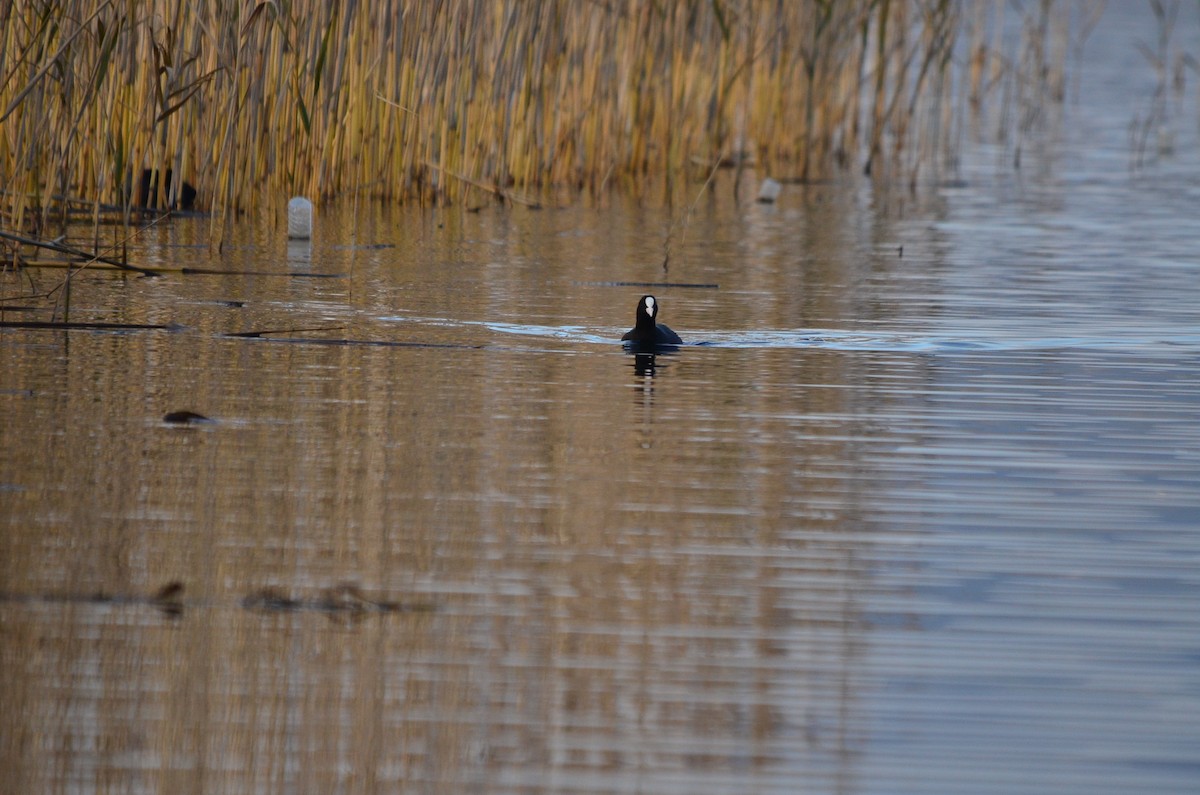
(916, 509)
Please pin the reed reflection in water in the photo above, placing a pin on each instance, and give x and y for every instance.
(731, 566)
(601, 579)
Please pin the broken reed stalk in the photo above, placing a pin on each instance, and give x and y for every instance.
(418, 101)
(84, 257)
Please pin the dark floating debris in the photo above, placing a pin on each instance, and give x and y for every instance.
(184, 417)
(65, 326)
(266, 332)
(677, 285)
(346, 599)
(262, 335)
(227, 272)
(168, 599)
(172, 590)
(270, 599)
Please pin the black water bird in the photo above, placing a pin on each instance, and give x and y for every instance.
(646, 331)
(147, 196)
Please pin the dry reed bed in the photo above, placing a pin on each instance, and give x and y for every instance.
(428, 101)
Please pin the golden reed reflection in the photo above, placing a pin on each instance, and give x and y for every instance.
(593, 586)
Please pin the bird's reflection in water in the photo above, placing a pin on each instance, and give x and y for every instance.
(649, 359)
(645, 367)
(644, 364)
(649, 363)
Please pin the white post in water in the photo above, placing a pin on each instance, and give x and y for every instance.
(300, 213)
(768, 192)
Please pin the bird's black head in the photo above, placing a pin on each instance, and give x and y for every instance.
(647, 310)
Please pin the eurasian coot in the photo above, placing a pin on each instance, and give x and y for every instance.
(646, 331)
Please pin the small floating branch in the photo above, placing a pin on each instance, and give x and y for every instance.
(345, 599)
(492, 189)
(74, 252)
(184, 417)
(265, 332)
(64, 326)
(294, 274)
(675, 285)
(369, 343)
(168, 599)
(154, 270)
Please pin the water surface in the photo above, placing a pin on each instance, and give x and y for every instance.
(916, 509)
